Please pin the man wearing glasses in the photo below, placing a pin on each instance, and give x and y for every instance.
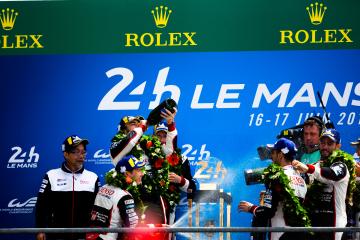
(67, 194)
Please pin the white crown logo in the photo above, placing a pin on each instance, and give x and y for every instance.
(316, 13)
(8, 18)
(161, 16)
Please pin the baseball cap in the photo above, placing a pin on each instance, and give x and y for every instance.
(285, 146)
(72, 142)
(129, 163)
(161, 126)
(127, 119)
(332, 134)
(355, 142)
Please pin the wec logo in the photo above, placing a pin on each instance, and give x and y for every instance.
(15, 206)
(101, 154)
(20, 159)
(15, 203)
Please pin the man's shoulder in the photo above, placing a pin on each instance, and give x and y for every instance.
(90, 173)
(113, 191)
(54, 171)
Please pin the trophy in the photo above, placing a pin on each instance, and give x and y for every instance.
(154, 116)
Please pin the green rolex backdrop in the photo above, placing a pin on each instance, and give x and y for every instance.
(240, 71)
(178, 26)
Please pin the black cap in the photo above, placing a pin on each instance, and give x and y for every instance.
(72, 142)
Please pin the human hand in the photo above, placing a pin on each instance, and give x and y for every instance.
(301, 167)
(40, 236)
(174, 178)
(244, 206)
(144, 125)
(168, 115)
(357, 169)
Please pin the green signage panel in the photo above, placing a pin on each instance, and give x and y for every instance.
(113, 26)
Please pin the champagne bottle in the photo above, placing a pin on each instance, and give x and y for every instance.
(154, 116)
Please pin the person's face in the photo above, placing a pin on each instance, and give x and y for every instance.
(358, 150)
(311, 136)
(131, 125)
(76, 156)
(276, 156)
(136, 175)
(327, 146)
(162, 136)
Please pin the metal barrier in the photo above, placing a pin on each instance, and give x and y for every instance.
(179, 229)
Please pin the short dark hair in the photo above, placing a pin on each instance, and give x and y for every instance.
(315, 120)
(288, 157)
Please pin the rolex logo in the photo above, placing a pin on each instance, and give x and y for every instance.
(316, 12)
(11, 41)
(161, 16)
(8, 18)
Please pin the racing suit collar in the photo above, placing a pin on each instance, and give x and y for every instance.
(66, 169)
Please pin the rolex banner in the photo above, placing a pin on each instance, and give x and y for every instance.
(240, 71)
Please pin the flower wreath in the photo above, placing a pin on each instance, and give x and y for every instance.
(317, 187)
(156, 180)
(293, 210)
(126, 183)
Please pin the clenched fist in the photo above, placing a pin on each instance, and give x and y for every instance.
(302, 168)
